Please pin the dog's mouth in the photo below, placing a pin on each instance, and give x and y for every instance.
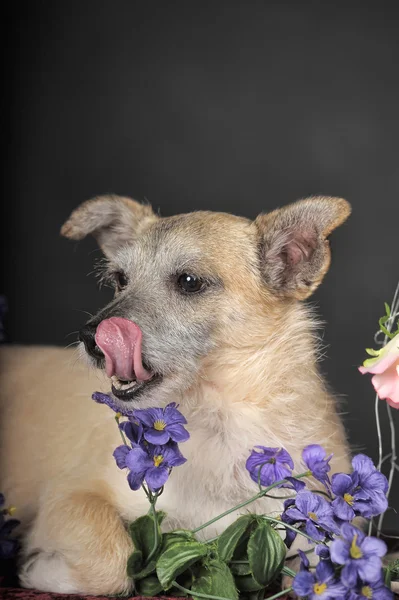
(120, 342)
(131, 390)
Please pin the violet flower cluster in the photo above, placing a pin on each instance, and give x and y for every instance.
(351, 568)
(8, 545)
(153, 435)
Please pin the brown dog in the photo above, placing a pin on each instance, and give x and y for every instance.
(219, 328)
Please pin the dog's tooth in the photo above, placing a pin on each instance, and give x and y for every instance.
(116, 382)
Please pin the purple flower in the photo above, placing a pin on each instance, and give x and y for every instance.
(320, 585)
(314, 457)
(269, 465)
(133, 431)
(323, 552)
(363, 492)
(315, 512)
(360, 555)
(162, 424)
(294, 484)
(152, 464)
(101, 398)
(372, 483)
(290, 535)
(8, 547)
(376, 590)
(349, 500)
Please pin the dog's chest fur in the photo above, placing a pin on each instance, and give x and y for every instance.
(214, 478)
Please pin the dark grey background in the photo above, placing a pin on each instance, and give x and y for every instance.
(231, 106)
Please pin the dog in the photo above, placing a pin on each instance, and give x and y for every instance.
(217, 313)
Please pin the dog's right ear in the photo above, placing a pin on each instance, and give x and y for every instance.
(112, 220)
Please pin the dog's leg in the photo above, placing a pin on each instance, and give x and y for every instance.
(78, 544)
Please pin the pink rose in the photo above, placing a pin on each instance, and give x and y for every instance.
(385, 367)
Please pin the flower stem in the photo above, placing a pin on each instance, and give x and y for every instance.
(197, 594)
(156, 533)
(246, 502)
(282, 593)
(393, 464)
(117, 418)
(390, 324)
(304, 552)
(273, 520)
(288, 571)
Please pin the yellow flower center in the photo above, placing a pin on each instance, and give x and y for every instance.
(11, 510)
(319, 588)
(355, 551)
(313, 516)
(367, 592)
(158, 459)
(159, 425)
(349, 499)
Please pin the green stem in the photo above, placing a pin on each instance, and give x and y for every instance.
(322, 493)
(297, 554)
(156, 535)
(273, 520)
(117, 418)
(282, 593)
(197, 594)
(279, 497)
(288, 571)
(246, 502)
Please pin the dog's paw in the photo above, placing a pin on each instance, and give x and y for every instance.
(47, 572)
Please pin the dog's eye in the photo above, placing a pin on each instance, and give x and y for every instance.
(190, 283)
(120, 280)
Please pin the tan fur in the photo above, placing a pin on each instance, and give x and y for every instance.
(259, 385)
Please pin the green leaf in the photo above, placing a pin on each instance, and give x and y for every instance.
(149, 586)
(372, 352)
(177, 559)
(147, 570)
(215, 579)
(176, 537)
(392, 570)
(247, 583)
(185, 580)
(134, 563)
(142, 532)
(266, 553)
(136, 568)
(231, 537)
(387, 309)
(240, 568)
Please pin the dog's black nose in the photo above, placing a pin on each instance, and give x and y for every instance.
(86, 335)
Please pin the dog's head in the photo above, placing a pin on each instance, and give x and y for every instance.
(190, 286)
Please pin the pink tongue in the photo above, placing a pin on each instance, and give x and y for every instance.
(120, 341)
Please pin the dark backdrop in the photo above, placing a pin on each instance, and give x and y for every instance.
(231, 106)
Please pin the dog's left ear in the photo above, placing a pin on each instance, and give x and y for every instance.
(294, 249)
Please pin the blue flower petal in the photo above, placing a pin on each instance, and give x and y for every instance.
(303, 583)
(157, 437)
(172, 415)
(120, 454)
(178, 433)
(135, 480)
(342, 509)
(341, 484)
(138, 460)
(156, 477)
